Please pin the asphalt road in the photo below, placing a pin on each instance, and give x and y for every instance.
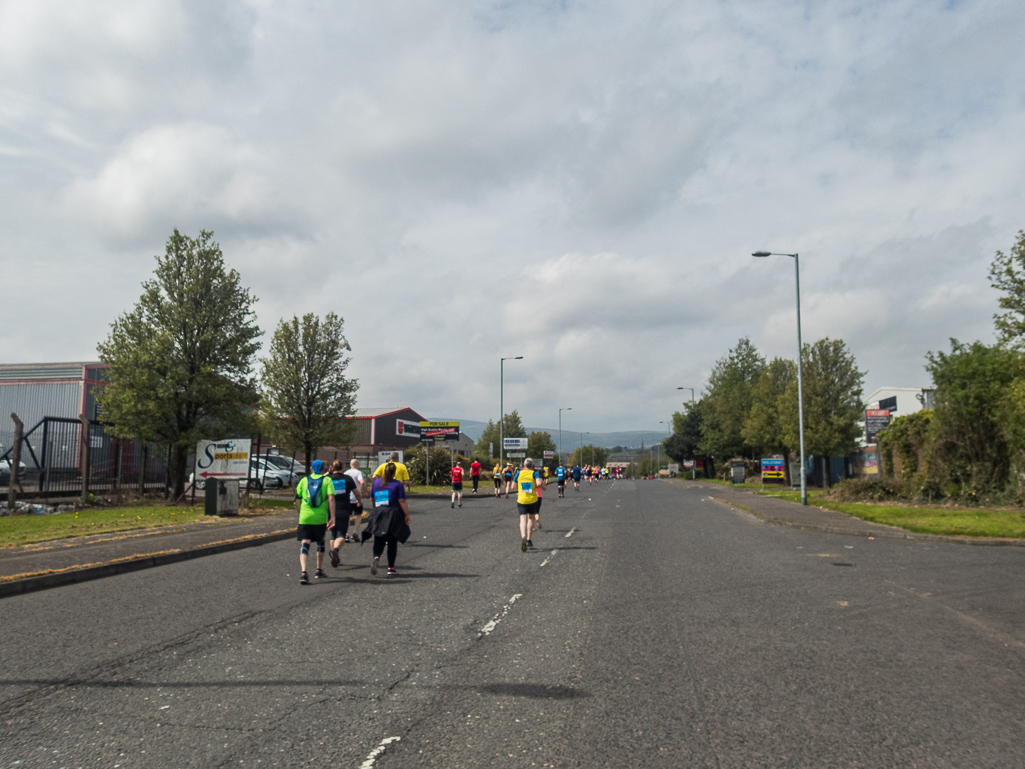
(649, 628)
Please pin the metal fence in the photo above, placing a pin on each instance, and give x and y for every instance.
(52, 455)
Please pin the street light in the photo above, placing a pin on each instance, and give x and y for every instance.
(693, 459)
(582, 448)
(800, 384)
(564, 408)
(501, 400)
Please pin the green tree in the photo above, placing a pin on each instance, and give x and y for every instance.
(833, 406)
(537, 444)
(181, 360)
(306, 395)
(588, 455)
(976, 386)
(728, 400)
(764, 428)
(1007, 274)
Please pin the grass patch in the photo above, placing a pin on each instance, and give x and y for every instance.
(433, 490)
(950, 521)
(16, 530)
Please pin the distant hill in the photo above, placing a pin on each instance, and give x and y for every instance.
(632, 439)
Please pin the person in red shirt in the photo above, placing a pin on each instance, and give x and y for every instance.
(457, 484)
(475, 474)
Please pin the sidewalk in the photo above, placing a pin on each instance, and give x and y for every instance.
(783, 513)
(62, 561)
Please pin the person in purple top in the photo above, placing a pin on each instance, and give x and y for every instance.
(389, 518)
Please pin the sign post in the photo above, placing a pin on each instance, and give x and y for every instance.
(773, 471)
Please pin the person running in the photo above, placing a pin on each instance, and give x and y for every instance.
(560, 480)
(577, 473)
(345, 489)
(507, 475)
(315, 499)
(356, 499)
(457, 484)
(389, 520)
(401, 473)
(527, 483)
(475, 474)
(542, 484)
(496, 476)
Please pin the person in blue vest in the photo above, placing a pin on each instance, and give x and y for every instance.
(577, 472)
(560, 479)
(315, 497)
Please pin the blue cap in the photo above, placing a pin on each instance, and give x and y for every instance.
(316, 465)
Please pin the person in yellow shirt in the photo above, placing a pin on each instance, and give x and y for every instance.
(401, 473)
(528, 481)
(496, 476)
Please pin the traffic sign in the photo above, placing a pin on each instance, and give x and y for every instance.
(773, 471)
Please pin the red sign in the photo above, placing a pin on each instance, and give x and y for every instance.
(877, 412)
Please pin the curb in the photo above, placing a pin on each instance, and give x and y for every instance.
(135, 563)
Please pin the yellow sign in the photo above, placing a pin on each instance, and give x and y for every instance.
(430, 425)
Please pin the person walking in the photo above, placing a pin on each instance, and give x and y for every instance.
(507, 474)
(475, 474)
(401, 473)
(345, 490)
(457, 484)
(526, 501)
(496, 476)
(560, 479)
(356, 499)
(389, 520)
(315, 499)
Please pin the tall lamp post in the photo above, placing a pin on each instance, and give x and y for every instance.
(669, 432)
(564, 408)
(501, 400)
(693, 460)
(800, 378)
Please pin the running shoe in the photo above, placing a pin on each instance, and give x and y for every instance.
(454, 505)
(320, 574)
(530, 543)
(373, 566)
(523, 545)
(334, 558)
(392, 571)
(460, 504)
(304, 578)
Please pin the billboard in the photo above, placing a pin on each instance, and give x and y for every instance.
(515, 444)
(407, 429)
(227, 459)
(439, 431)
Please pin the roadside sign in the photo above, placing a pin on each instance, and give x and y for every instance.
(773, 471)
(516, 454)
(226, 459)
(738, 472)
(514, 443)
(549, 455)
(876, 420)
(384, 457)
(440, 431)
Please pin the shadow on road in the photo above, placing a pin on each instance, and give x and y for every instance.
(73, 682)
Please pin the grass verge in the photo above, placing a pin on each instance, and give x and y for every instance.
(949, 521)
(16, 530)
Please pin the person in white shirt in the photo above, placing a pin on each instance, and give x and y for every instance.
(357, 504)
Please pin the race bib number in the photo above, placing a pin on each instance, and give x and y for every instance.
(382, 499)
(527, 487)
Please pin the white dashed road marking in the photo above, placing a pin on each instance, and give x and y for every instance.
(549, 558)
(377, 752)
(570, 532)
(486, 630)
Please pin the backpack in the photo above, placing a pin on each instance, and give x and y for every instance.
(313, 489)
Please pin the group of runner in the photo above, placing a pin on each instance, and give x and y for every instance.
(331, 500)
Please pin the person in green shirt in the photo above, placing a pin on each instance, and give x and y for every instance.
(315, 501)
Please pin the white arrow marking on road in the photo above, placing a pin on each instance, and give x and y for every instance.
(546, 560)
(377, 752)
(570, 532)
(486, 630)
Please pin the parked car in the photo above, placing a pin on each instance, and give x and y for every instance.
(286, 463)
(5, 468)
(262, 476)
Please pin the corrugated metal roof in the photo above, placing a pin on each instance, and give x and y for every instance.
(378, 412)
(15, 372)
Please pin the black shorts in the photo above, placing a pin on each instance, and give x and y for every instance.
(457, 486)
(314, 532)
(498, 481)
(561, 482)
(530, 509)
(341, 523)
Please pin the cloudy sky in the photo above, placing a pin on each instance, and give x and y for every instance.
(580, 183)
